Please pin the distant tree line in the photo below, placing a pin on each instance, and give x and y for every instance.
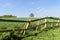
(8, 16)
(11, 16)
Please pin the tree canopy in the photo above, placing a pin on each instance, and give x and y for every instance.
(31, 15)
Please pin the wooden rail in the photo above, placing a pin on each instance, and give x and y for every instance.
(7, 20)
(28, 23)
(6, 30)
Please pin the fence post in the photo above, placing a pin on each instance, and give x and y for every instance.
(57, 23)
(45, 25)
(26, 26)
(37, 25)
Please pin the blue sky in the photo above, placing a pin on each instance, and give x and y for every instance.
(22, 8)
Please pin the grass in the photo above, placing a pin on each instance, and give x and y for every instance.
(11, 24)
(53, 34)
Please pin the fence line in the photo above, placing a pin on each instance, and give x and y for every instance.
(6, 30)
(7, 20)
(28, 23)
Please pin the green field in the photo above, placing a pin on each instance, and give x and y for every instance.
(53, 34)
(31, 33)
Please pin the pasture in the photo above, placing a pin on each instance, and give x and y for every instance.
(48, 29)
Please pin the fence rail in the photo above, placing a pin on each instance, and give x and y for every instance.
(7, 20)
(57, 23)
(6, 30)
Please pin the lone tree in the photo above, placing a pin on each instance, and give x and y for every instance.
(31, 15)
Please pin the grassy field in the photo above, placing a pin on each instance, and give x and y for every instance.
(31, 34)
(53, 34)
(11, 26)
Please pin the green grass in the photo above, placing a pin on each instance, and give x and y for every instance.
(19, 18)
(9, 25)
(52, 34)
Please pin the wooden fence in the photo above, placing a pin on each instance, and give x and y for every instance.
(42, 21)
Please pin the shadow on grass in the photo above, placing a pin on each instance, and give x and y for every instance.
(12, 37)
